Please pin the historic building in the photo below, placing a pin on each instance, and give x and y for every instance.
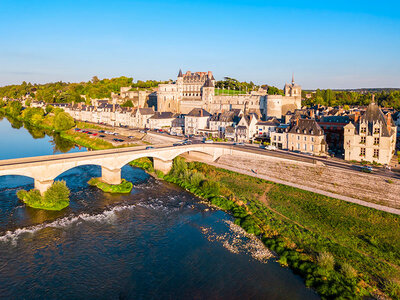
(303, 135)
(197, 90)
(371, 138)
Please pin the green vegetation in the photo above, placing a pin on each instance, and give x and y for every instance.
(62, 92)
(342, 250)
(84, 140)
(233, 85)
(55, 198)
(125, 187)
(63, 121)
(143, 163)
(385, 98)
(228, 92)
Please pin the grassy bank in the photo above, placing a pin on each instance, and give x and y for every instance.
(342, 250)
(84, 140)
(55, 198)
(125, 187)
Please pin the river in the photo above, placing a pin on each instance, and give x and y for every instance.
(158, 242)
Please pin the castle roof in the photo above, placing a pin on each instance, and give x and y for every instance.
(208, 83)
(180, 73)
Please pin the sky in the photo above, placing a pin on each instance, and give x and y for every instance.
(325, 44)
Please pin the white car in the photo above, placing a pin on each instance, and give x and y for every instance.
(208, 141)
(270, 147)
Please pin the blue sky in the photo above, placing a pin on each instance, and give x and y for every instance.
(327, 44)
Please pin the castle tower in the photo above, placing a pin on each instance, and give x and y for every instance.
(208, 91)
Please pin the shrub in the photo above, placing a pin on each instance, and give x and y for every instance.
(63, 121)
(392, 288)
(348, 271)
(124, 187)
(55, 198)
(326, 261)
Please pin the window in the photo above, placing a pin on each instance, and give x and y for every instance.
(279, 138)
(312, 139)
(305, 147)
(298, 138)
(274, 137)
(362, 152)
(376, 141)
(312, 147)
(377, 130)
(298, 146)
(363, 129)
(376, 153)
(305, 138)
(362, 140)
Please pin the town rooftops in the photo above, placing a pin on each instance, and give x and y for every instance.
(146, 111)
(374, 115)
(163, 115)
(198, 112)
(271, 122)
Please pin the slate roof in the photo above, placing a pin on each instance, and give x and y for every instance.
(146, 111)
(372, 115)
(163, 115)
(306, 126)
(198, 112)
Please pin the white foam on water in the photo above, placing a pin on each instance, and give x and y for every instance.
(107, 216)
(237, 240)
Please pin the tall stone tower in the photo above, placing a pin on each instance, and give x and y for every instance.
(208, 91)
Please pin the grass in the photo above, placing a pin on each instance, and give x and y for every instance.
(85, 125)
(55, 198)
(228, 92)
(125, 187)
(85, 140)
(340, 249)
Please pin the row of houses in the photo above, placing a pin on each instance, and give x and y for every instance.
(358, 135)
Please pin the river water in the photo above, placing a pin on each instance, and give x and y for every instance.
(158, 242)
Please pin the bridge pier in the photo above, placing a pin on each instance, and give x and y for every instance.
(43, 185)
(161, 165)
(111, 176)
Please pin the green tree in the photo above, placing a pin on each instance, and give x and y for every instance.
(63, 121)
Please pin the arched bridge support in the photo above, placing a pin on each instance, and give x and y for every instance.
(162, 165)
(42, 185)
(111, 176)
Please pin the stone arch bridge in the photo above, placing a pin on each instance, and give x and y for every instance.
(44, 169)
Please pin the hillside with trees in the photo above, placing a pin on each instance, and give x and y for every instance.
(63, 92)
(385, 98)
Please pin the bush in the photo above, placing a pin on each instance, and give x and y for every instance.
(326, 261)
(125, 187)
(55, 198)
(63, 121)
(348, 271)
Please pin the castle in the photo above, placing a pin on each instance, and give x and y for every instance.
(197, 90)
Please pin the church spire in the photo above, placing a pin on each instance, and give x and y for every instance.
(180, 73)
(293, 78)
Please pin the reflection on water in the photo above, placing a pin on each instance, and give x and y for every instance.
(157, 242)
(24, 140)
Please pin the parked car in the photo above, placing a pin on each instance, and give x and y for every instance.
(176, 144)
(88, 132)
(239, 144)
(208, 141)
(102, 135)
(366, 169)
(77, 129)
(101, 131)
(149, 147)
(270, 147)
(95, 134)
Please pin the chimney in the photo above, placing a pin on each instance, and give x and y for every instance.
(356, 116)
(373, 98)
(201, 112)
(389, 122)
(297, 121)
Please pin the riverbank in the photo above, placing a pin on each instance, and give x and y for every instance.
(340, 249)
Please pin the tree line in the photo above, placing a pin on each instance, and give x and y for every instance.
(329, 97)
(63, 92)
